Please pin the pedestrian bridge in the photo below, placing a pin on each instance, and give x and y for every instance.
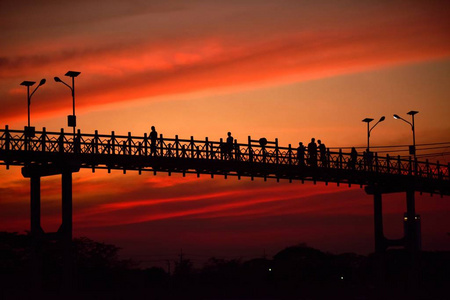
(49, 153)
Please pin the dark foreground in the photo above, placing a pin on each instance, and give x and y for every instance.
(297, 272)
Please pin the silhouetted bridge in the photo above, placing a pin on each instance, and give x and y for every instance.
(51, 153)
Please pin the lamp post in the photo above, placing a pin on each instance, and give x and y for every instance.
(369, 130)
(71, 119)
(412, 149)
(29, 131)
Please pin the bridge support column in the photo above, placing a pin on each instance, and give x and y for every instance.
(411, 234)
(380, 243)
(65, 230)
(64, 234)
(36, 233)
(412, 244)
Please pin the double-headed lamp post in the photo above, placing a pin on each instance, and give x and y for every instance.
(412, 150)
(369, 130)
(71, 119)
(29, 131)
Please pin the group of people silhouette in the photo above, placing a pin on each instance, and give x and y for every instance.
(309, 155)
(315, 151)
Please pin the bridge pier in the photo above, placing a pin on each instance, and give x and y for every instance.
(380, 240)
(64, 233)
(410, 241)
(36, 232)
(65, 230)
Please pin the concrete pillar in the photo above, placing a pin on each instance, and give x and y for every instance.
(411, 232)
(380, 244)
(66, 231)
(36, 233)
(411, 244)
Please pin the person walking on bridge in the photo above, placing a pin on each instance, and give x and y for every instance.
(353, 158)
(312, 152)
(229, 145)
(323, 153)
(153, 138)
(301, 154)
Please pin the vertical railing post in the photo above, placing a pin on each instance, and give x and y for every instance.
(192, 147)
(26, 139)
(161, 144)
(328, 159)
(290, 155)
(221, 149)
(96, 142)
(177, 146)
(276, 151)
(250, 151)
(427, 165)
(43, 138)
(61, 141)
(129, 144)
(207, 147)
(340, 159)
(113, 143)
(263, 149)
(399, 165)
(145, 144)
(7, 137)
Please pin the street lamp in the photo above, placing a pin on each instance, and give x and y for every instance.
(412, 149)
(29, 131)
(368, 120)
(71, 119)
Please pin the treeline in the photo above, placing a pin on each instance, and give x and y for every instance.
(297, 272)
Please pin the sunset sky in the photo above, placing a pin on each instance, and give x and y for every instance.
(290, 70)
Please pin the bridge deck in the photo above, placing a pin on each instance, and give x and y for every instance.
(61, 149)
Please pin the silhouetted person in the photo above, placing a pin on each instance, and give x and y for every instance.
(153, 138)
(312, 152)
(301, 154)
(323, 153)
(368, 158)
(353, 158)
(229, 145)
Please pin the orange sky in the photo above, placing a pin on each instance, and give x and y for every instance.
(290, 70)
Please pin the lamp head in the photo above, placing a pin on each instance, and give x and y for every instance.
(412, 112)
(382, 119)
(396, 117)
(72, 73)
(367, 120)
(27, 83)
(57, 79)
(42, 82)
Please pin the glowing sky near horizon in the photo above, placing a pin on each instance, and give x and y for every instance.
(290, 70)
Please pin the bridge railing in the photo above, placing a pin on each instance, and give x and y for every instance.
(251, 152)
